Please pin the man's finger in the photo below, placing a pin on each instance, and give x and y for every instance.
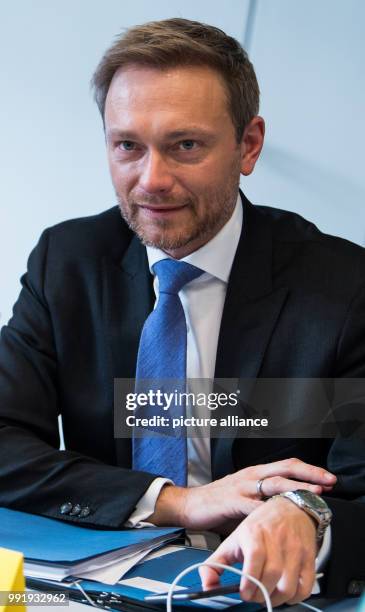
(327, 489)
(278, 484)
(209, 576)
(287, 586)
(272, 571)
(305, 582)
(254, 555)
(295, 468)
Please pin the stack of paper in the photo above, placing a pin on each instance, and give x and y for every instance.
(55, 550)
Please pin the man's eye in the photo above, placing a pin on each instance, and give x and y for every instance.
(188, 145)
(127, 145)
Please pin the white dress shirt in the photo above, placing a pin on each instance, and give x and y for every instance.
(202, 300)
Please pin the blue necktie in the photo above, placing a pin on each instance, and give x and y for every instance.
(162, 355)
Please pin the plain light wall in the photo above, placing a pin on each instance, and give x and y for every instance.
(308, 58)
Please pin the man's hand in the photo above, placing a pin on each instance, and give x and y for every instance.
(277, 544)
(233, 497)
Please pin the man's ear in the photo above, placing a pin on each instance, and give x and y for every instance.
(251, 144)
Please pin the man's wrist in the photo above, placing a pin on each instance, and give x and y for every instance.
(288, 504)
(169, 509)
(314, 506)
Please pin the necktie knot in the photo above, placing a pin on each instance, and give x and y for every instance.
(173, 275)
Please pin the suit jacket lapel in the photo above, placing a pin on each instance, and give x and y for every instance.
(251, 310)
(128, 300)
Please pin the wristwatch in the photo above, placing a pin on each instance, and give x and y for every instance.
(313, 505)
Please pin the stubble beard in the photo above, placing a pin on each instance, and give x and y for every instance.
(162, 233)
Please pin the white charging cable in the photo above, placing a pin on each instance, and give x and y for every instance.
(233, 570)
(77, 584)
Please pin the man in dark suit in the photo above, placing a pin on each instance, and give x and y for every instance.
(179, 102)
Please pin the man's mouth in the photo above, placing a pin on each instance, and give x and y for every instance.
(158, 210)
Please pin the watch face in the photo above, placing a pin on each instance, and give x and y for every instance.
(313, 500)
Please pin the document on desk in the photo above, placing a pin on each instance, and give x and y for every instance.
(112, 573)
(154, 574)
(55, 550)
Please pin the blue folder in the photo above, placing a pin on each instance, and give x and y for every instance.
(57, 543)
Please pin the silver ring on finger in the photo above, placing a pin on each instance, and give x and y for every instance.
(259, 490)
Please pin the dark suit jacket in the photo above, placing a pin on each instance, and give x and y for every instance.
(294, 308)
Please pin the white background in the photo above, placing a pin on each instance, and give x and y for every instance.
(309, 60)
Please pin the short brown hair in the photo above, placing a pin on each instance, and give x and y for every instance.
(181, 42)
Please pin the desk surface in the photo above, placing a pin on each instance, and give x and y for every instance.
(347, 605)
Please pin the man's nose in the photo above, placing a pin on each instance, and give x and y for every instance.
(156, 176)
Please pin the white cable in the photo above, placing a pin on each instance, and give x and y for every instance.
(220, 565)
(306, 605)
(78, 586)
(234, 571)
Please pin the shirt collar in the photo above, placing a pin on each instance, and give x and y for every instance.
(216, 256)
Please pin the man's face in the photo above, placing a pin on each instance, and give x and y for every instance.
(173, 155)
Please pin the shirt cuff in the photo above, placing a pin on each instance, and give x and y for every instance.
(322, 557)
(146, 505)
